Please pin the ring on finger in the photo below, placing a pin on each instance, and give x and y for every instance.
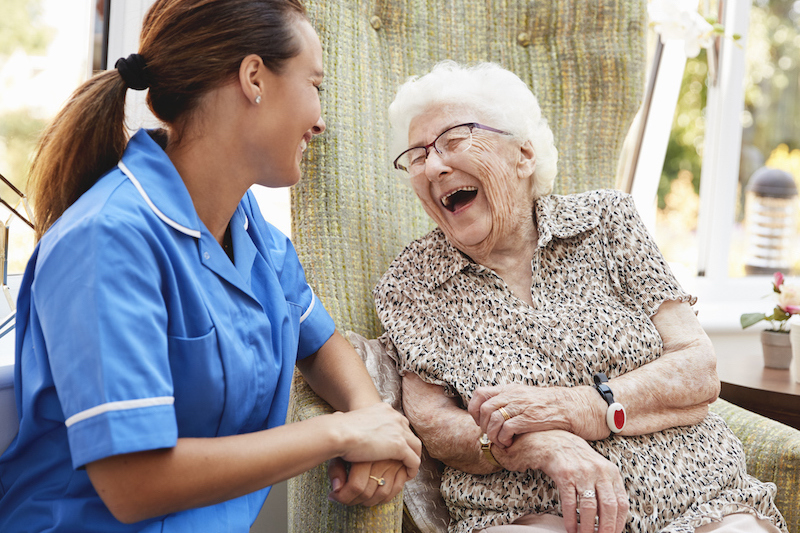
(589, 493)
(505, 414)
(381, 481)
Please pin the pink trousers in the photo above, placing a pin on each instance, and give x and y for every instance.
(545, 523)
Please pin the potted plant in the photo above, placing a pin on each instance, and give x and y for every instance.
(775, 340)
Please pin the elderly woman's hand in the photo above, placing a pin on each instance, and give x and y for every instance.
(575, 468)
(508, 410)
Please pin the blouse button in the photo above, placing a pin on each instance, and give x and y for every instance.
(206, 255)
(628, 454)
(648, 508)
(376, 22)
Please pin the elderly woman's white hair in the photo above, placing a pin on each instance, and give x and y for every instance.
(494, 92)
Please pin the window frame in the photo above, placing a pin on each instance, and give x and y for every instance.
(721, 298)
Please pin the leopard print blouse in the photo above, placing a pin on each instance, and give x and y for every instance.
(597, 279)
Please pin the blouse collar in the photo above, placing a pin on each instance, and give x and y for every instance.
(559, 217)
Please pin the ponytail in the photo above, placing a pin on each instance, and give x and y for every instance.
(84, 141)
(191, 47)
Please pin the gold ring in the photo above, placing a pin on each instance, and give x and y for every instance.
(505, 414)
(380, 480)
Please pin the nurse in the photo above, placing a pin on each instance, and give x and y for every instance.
(160, 317)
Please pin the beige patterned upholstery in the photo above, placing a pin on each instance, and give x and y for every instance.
(351, 216)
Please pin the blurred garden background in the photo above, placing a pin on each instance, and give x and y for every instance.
(770, 132)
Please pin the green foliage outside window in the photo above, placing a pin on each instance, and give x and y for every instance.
(772, 99)
(21, 30)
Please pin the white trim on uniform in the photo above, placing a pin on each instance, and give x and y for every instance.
(162, 216)
(122, 405)
(310, 307)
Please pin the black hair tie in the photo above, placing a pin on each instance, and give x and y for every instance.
(133, 71)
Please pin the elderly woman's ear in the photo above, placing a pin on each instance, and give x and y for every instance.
(526, 165)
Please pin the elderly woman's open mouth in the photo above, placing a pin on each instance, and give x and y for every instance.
(455, 200)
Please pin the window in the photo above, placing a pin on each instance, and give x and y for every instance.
(45, 53)
(705, 240)
(739, 134)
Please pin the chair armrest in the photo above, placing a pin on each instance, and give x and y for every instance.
(308, 506)
(773, 454)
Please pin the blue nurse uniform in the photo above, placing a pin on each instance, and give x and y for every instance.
(134, 328)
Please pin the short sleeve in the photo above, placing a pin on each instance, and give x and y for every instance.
(417, 340)
(642, 276)
(97, 295)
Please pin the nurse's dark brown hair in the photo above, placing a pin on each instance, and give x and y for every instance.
(190, 47)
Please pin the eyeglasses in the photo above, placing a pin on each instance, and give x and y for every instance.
(451, 141)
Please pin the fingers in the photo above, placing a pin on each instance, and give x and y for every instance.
(607, 509)
(603, 509)
(356, 488)
(491, 413)
(623, 506)
(337, 473)
(393, 481)
(476, 404)
(370, 483)
(569, 508)
(587, 506)
(413, 454)
(590, 487)
(502, 426)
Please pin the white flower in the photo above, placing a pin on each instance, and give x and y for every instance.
(679, 19)
(789, 298)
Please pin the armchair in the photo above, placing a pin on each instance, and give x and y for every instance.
(351, 216)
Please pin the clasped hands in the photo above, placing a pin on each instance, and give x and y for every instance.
(365, 483)
(384, 455)
(547, 428)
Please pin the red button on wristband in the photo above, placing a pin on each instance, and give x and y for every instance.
(616, 417)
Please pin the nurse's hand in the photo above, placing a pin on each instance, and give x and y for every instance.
(377, 433)
(366, 483)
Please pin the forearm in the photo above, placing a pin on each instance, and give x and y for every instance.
(200, 472)
(448, 432)
(338, 375)
(673, 390)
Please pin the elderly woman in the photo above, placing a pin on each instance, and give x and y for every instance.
(551, 360)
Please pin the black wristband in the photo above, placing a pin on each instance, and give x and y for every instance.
(615, 415)
(600, 380)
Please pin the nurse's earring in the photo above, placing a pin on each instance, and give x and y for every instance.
(258, 99)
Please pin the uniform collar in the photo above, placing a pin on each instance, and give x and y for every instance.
(149, 168)
(558, 217)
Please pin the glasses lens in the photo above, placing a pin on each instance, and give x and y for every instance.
(455, 140)
(413, 161)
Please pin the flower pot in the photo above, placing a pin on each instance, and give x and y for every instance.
(777, 348)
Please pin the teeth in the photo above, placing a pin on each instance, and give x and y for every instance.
(303, 145)
(446, 198)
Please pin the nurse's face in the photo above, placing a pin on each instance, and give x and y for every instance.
(292, 109)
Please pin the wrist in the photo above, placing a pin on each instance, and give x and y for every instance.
(587, 414)
(363, 402)
(486, 449)
(338, 435)
(615, 415)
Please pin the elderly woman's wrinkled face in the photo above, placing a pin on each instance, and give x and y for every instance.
(478, 197)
